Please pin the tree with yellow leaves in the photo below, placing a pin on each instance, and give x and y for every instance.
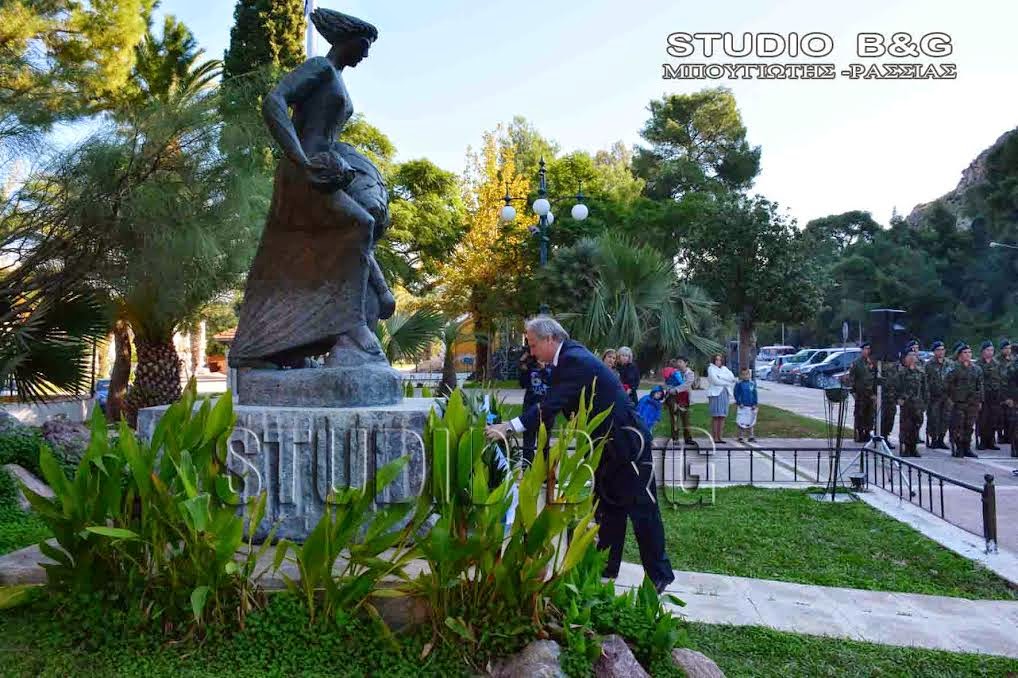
(484, 276)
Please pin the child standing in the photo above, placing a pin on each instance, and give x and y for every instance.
(745, 398)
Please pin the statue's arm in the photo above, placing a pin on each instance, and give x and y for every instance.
(294, 88)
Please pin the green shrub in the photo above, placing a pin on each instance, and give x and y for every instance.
(17, 528)
(155, 524)
(638, 615)
(339, 595)
(21, 447)
(488, 587)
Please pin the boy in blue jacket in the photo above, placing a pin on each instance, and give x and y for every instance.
(649, 407)
(745, 398)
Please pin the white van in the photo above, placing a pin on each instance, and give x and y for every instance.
(766, 357)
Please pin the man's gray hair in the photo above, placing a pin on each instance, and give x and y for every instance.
(626, 351)
(545, 327)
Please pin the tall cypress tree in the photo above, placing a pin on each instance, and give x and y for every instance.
(265, 33)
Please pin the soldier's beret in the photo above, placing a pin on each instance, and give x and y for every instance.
(865, 344)
(1004, 344)
(914, 342)
(985, 345)
(960, 346)
(938, 344)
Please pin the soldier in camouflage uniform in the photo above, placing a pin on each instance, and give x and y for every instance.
(989, 413)
(862, 379)
(889, 400)
(1004, 363)
(964, 386)
(1011, 407)
(912, 395)
(937, 412)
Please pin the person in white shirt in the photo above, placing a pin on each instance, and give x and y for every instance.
(719, 393)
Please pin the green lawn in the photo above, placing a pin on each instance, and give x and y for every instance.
(493, 385)
(755, 652)
(772, 422)
(787, 536)
(50, 638)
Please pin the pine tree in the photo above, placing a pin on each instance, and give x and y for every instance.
(265, 33)
(62, 59)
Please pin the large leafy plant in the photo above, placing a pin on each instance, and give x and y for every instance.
(338, 569)
(156, 523)
(488, 582)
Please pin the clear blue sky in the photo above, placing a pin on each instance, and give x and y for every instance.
(444, 71)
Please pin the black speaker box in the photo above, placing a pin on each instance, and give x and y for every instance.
(887, 333)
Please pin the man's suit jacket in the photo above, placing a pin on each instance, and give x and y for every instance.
(629, 441)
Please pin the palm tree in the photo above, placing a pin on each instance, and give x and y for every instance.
(167, 68)
(405, 336)
(637, 299)
(451, 333)
(170, 125)
(47, 338)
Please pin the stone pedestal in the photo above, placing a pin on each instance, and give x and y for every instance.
(300, 455)
(348, 386)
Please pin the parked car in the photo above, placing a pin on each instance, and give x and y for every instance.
(766, 356)
(785, 374)
(102, 393)
(819, 355)
(824, 374)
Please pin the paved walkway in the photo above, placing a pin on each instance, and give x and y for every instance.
(902, 619)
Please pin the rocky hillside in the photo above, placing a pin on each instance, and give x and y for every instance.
(974, 174)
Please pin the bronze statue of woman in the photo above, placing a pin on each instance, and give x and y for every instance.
(315, 287)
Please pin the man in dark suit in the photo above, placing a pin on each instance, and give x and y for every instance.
(624, 481)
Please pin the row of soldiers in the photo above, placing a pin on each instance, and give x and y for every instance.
(955, 395)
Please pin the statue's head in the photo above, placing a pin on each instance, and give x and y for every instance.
(350, 37)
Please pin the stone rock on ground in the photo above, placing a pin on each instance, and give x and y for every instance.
(67, 437)
(31, 482)
(617, 660)
(539, 659)
(8, 422)
(696, 664)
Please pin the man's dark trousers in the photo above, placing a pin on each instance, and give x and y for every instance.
(645, 514)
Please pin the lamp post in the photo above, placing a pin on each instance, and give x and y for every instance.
(545, 218)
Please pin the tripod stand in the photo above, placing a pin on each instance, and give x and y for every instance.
(835, 416)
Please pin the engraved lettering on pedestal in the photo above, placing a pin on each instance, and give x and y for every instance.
(358, 457)
(338, 478)
(242, 444)
(390, 445)
(291, 457)
(325, 458)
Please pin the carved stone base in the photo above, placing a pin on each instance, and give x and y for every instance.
(365, 385)
(301, 456)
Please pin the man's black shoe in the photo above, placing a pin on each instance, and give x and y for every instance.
(993, 447)
(970, 453)
(660, 586)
